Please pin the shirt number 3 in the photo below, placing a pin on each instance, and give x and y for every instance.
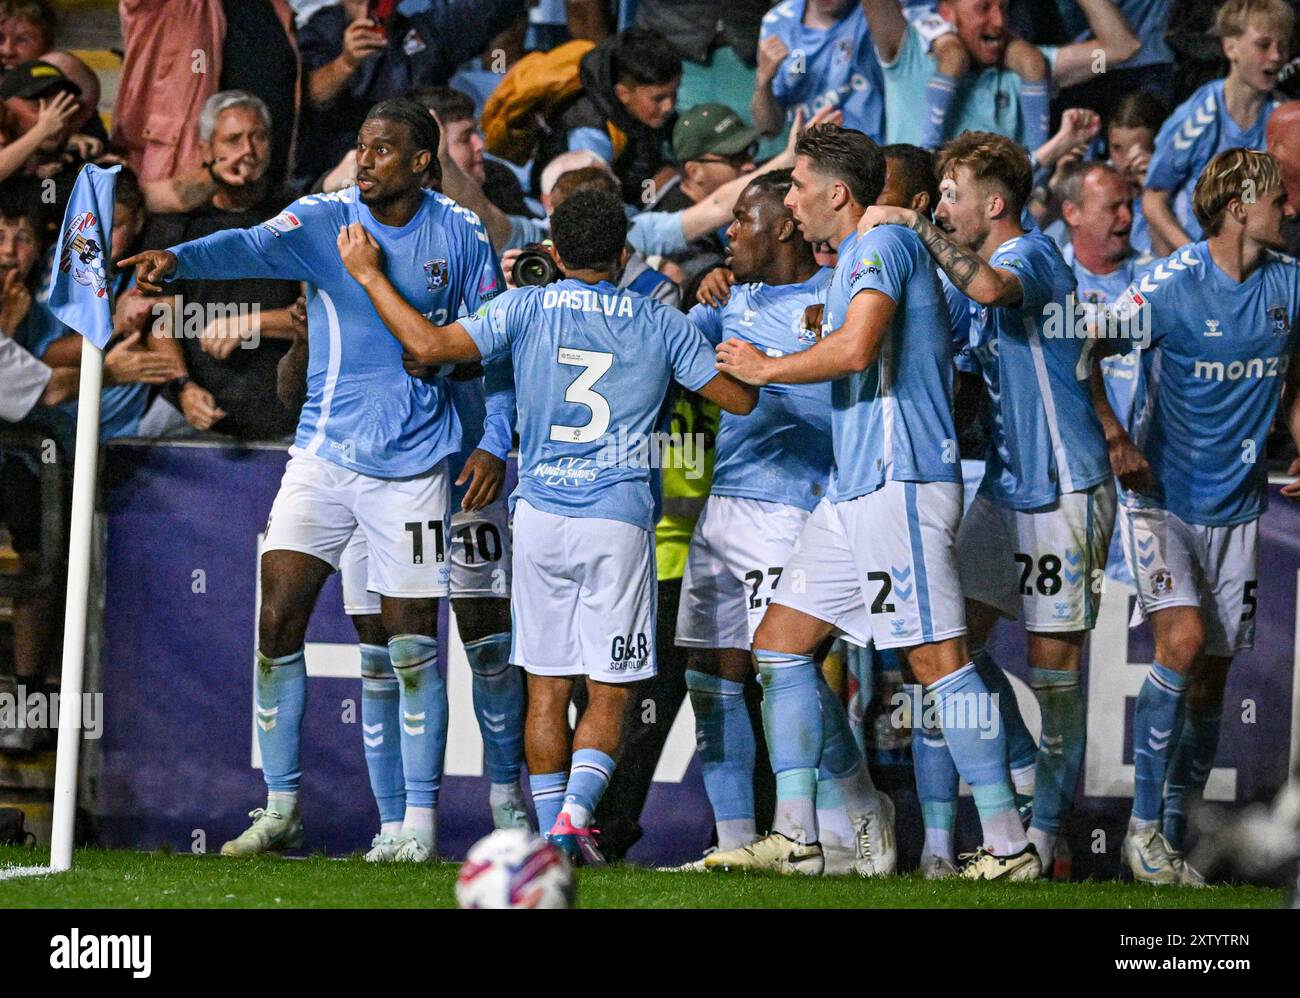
(594, 364)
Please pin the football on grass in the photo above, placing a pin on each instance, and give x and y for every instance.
(515, 868)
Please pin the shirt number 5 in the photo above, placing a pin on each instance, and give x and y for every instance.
(594, 364)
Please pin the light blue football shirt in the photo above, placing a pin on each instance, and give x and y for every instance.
(834, 67)
(1101, 291)
(1211, 381)
(363, 411)
(893, 421)
(780, 452)
(592, 366)
(1044, 436)
(986, 101)
(1199, 129)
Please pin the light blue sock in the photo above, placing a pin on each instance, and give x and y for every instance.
(423, 705)
(792, 721)
(939, 93)
(1189, 769)
(281, 700)
(937, 781)
(380, 718)
(1155, 716)
(498, 705)
(1035, 111)
(548, 797)
(589, 775)
(979, 752)
(724, 738)
(1021, 747)
(840, 759)
(1060, 752)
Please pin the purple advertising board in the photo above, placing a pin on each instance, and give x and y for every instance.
(179, 766)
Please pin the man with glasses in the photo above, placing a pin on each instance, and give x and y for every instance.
(714, 146)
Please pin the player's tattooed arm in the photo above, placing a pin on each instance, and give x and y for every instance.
(990, 286)
(425, 342)
(850, 349)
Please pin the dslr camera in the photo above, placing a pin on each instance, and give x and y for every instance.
(534, 266)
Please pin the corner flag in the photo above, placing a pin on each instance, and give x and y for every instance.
(80, 297)
(79, 294)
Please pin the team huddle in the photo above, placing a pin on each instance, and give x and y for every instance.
(837, 505)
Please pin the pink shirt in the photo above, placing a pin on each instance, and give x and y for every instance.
(172, 65)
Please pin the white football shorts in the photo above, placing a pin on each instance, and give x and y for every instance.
(1044, 565)
(583, 597)
(1176, 563)
(736, 557)
(882, 567)
(480, 560)
(403, 523)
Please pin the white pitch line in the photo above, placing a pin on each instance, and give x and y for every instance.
(13, 872)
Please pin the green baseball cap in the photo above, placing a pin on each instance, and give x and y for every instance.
(711, 129)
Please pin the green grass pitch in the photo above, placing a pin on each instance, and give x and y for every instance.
(107, 879)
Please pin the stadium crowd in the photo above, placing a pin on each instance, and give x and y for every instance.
(686, 114)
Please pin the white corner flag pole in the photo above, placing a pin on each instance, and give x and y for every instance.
(84, 473)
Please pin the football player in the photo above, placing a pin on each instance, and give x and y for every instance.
(1033, 544)
(371, 449)
(770, 471)
(592, 366)
(876, 560)
(1221, 338)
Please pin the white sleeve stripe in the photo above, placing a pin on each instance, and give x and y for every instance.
(331, 372)
(1064, 478)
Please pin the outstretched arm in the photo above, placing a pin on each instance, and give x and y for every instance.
(887, 25)
(850, 349)
(1113, 43)
(715, 210)
(468, 193)
(427, 343)
(1167, 234)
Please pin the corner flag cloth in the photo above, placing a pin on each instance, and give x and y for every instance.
(79, 287)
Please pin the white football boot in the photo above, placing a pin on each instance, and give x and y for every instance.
(1150, 858)
(982, 864)
(411, 850)
(937, 867)
(383, 848)
(772, 853)
(270, 831)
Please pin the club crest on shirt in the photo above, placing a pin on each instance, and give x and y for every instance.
(436, 273)
(82, 253)
(1281, 324)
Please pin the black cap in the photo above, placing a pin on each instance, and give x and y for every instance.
(36, 79)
